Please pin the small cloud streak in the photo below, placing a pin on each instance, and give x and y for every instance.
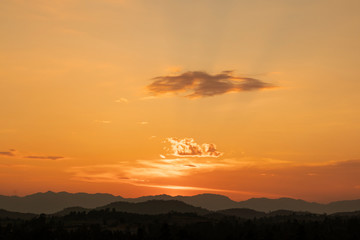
(176, 187)
(143, 123)
(197, 84)
(103, 121)
(187, 147)
(121, 100)
(45, 157)
(9, 153)
(18, 155)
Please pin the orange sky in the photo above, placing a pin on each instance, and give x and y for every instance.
(242, 98)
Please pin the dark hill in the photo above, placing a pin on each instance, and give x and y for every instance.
(69, 210)
(208, 201)
(15, 215)
(266, 205)
(154, 207)
(51, 202)
(242, 213)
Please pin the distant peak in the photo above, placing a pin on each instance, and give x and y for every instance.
(163, 195)
(212, 195)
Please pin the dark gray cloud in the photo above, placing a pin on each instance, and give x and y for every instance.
(194, 84)
(9, 154)
(14, 153)
(45, 157)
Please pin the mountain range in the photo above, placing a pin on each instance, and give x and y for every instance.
(51, 202)
(172, 209)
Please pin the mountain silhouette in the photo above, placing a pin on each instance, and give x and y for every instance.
(51, 202)
(265, 204)
(209, 201)
(242, 212)
(298, 205)
(16, 215)
(154, 207)
(69, 210)
(165, 207)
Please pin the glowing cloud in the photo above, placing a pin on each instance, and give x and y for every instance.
(195, 84)
(142, 171)
(187, 147)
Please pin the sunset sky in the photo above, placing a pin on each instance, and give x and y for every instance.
(144, 97)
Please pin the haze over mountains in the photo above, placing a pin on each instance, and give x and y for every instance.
(51, 202)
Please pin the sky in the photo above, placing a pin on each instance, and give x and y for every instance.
(134, 97)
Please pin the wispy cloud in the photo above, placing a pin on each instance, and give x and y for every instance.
(195, 84)
(122, 100)
(114, 174)
(142, 170)
(10, 153)
(18, 155)
(187, 147)
(186, 158)
(45, 157)
(192, 188)
(103, 121)
(263, 176)
(143, 123)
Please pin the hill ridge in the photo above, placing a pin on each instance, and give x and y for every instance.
(51, 202)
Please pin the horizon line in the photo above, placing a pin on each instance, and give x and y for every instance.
(163, 194)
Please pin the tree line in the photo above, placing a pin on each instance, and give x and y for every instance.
(109, 224)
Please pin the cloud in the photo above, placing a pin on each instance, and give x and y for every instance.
(196, 84)
(191, 188)
(137, 176)
(103, 121)
(121, 100)
(45, 157)
(18, 155)
(9, 153)
(187, 147)
(143, 170)
(143, 123)
(263, 177)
